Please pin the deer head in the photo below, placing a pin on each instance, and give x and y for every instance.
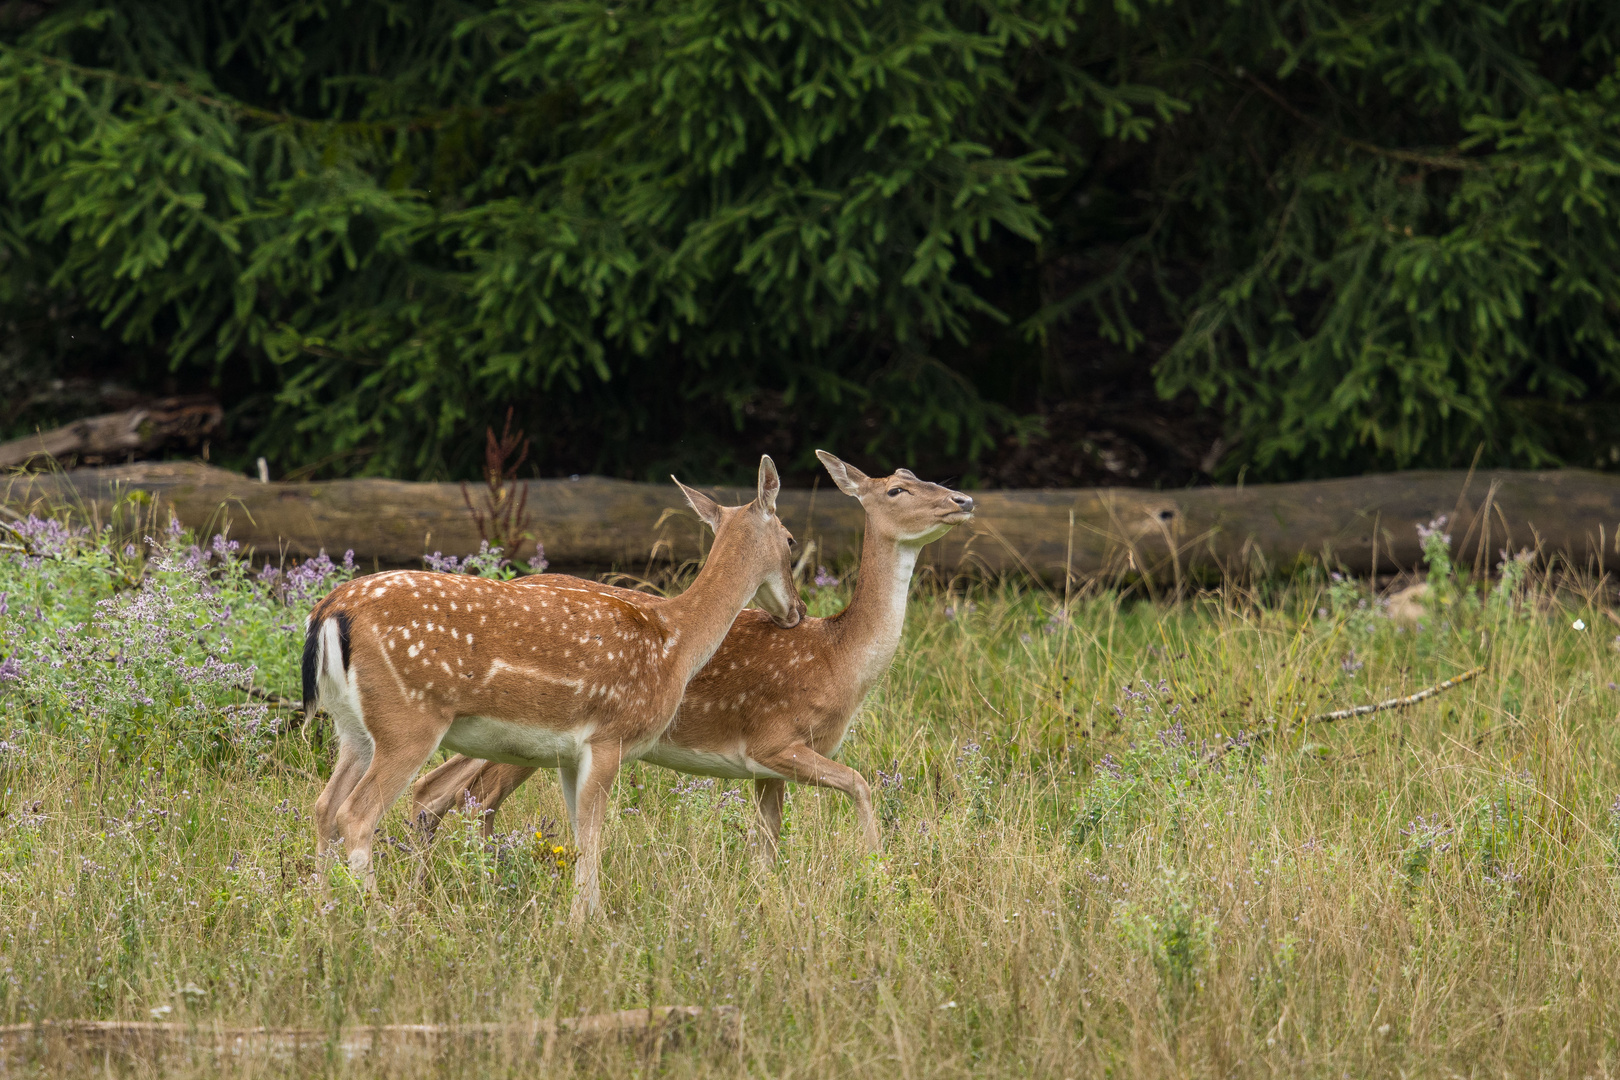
(901, 507)
(765, 543)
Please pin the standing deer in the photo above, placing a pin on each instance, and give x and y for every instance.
(774, 703)
(574, 679)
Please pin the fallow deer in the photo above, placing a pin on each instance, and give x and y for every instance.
(576, 679)
(773, 704)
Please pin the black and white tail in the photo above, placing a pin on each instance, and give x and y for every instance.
(316, 657)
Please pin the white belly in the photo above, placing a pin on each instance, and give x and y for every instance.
(729, 766)
(515, 744)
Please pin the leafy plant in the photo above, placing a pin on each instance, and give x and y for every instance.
(1426, 837)
(1174, 933)
(1368, 235)
(160, 668)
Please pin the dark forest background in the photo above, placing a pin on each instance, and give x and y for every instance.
(1014, 243)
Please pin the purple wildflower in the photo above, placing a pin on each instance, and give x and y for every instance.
(823, 579)
(441, 563)
(1434, 528)
(1173, 737)
(47, 536)
(313, 577)
(1428, 832)
(1523, 556)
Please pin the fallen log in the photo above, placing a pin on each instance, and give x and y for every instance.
(1362, 524)
(656, 1027)
(171, 421)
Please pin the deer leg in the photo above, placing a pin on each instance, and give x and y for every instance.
(490, 786)
(597, 770)
(443, 789)
(768, 795)
(352, 759)
(438, 792)
(393, 763)
(803, 765)
(568, 780)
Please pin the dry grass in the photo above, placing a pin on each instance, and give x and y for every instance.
(1426, 892)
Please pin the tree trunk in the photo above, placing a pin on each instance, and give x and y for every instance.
(1362, 524)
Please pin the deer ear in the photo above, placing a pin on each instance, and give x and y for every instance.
(906, 474)
(846, 476)
(769, 484)
(706, 508)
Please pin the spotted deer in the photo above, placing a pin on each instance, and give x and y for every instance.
(775, 703)
(575, 679)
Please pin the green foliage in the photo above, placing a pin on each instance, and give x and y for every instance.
(1174, 934)
(148, 651)
(1378, 234)
(1419, 243)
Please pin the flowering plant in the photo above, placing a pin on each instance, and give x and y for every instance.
(149, 649)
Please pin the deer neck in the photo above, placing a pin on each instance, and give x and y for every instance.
(870, 626)
(699, 618)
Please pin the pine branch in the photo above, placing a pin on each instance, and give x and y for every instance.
(1411, 157)
(241, 110)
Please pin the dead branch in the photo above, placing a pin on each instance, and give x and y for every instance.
(656, 1026)
(182, 420)
(1394, 703)
(1272, 728)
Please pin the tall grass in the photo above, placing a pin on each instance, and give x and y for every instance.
(1086, 867)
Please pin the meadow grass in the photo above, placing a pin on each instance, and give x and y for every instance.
(1083, 871)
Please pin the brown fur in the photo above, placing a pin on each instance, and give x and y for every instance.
(573, 676)
(780, 698)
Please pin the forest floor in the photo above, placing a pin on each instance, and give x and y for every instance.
(1088, 866)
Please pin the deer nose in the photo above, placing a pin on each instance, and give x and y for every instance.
(964, 501)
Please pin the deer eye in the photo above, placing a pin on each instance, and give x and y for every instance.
(896, 491)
